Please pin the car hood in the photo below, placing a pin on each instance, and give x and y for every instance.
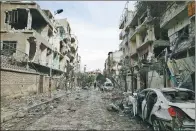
(188, 108)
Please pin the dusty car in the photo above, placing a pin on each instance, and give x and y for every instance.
(107, 86)
(166, 108)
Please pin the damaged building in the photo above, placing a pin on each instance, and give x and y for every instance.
(158, 44)
(33, 41)
(112, 64)
(179, 21)
(140, 32)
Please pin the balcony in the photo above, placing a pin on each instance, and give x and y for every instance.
(67, 59)
(122, 34)
(175, 10)
(133, 51)
(143, 26)
(127, 53)
(123, 42)
(40, 38)
(132, 35)
(123, 18)
(148, 39)
(35, 9)
(131, 15)
(73, 47)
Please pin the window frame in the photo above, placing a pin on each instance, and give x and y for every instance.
(9, 47)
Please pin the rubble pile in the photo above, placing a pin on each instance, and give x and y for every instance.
(119, 103)
(21, 106)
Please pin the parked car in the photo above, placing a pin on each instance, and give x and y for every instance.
(166, 108)
(107, 86)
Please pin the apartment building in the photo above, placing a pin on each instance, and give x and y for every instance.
(142, 42)
(158, 44)
(179, 21)
(32, 40)
(42, 38)
(113, 65)
(124, 46)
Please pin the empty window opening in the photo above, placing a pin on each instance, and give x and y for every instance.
(61, 58)
(32, 50)
(11, 17)
(164, 35)
(143, 17)
(42, 47)
(135, 82)
(61, 45)
(49, 51)
(61, 31)
(55, 56)
(184, 33)
(38, 22)
(9, 48)
(16, 22)
(71, 60)
(73, 40)
(50, 33)
(143, 35)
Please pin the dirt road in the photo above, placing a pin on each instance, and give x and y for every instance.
(82, 110)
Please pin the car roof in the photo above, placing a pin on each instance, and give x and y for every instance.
(169, 89)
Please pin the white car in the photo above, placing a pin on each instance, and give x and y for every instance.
(107, 86)
(166, 108)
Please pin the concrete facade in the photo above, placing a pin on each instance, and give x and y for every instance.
(32, 40)
(150, 37)
(179, 20)
(36, 34)
(19, 83)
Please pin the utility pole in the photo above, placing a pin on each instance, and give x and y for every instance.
(132, 88)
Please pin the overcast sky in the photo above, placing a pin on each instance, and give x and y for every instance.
(96, 25)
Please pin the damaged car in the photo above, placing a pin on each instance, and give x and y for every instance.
(166, 108)
(108, 86)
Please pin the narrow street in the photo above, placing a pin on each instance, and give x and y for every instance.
(80, 110)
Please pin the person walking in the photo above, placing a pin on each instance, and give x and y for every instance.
(95, 85)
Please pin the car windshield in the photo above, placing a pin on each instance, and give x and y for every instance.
(108, 84)
(179, 96)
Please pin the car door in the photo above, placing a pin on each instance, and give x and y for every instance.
(144, 105)
(139, 100)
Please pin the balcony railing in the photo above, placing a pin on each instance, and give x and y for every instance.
(172, 11)
(122, 34)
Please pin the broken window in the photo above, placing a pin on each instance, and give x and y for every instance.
(61, 31)
(143, 35)
(108, 84)
(11, 17)
(6, 17)
(179, 96)
(32, 49)
(142, 18)
(50, 32)
(9, 48)
(184, 33)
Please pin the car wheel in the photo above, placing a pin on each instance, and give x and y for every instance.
(156, 124)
